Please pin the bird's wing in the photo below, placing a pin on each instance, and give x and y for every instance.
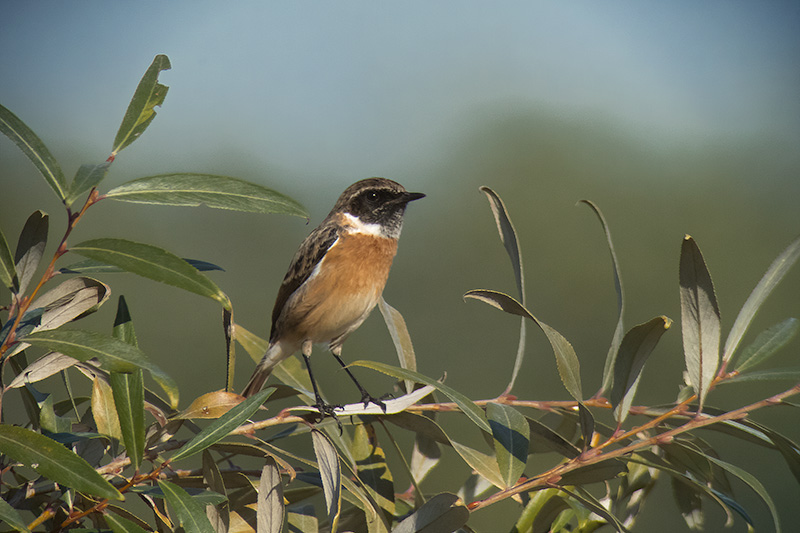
(310, 253)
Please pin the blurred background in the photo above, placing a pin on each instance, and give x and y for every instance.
(674, 118)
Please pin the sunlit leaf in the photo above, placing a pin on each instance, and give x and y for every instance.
(104, 411)
(511, 440)
(483, 464)
(212, 405)
(593, 504)
(540, 512)
(188, 511)
(301, 518)
(73, 299)
(466, 405)
(140, 113)
(566, 359)
(372, 469)
(33, 147)
(443, 513)
(151, 262)
(636, 347)
(330, 472)
(699, 319)
(788, 374)
(54, 461)
(608, 369)
(508, 236)
(270, 499)
(8, 272)
(768, 343)
(87, 177)
(114, 355)
(30, 248)
(222, 426)
(220, 192)
(400, 337)
(90, 266)
(774, 274)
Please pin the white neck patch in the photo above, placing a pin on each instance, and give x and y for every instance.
(354, 225)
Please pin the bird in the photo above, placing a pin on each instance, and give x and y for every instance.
(335, 280)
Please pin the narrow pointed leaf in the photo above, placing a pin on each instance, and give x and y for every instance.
(104, 411)
(301, 519)
(699, 319)
(608, 369)
(595, 473)
(636, 347)
(30, 248)
(90, 266)
(466, 405)
(10, 516)
(128, 391)
(545, 439)
(219, 192)
(768, 343)
(114, 355)
(566, 358)
(689, 503)
(87, 177)
(73, 299)
(219, 515)
(372, 469)
(8, 272)
(593, 504)
(151, 262)
(508, 236)
(54, 461)
(140, 113)
(511, 440)
(400, 337)
(187, 511)
(751, 481)
(330, 471)
(441, 514)
(788, 374)
(485, 465)
(33, 147)
(222, 426)
(122, 525)
(586, 421)
(44, 367)
(270, 499)
(211, 405)
(775, 273)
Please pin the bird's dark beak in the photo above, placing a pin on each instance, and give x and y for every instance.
(411, 196)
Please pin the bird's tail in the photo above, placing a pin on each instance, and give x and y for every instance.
(275, 354)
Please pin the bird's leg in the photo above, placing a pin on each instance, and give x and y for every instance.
(365, 396)
(325, 409)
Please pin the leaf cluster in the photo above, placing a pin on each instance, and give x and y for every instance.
(226, 463)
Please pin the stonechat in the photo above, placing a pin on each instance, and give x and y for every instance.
(336, 278)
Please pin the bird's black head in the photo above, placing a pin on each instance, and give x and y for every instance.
(378, 203)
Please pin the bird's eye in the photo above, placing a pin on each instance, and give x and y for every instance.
(373, 197)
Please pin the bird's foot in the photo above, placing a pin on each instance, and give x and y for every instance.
(326, 409)
(368, 399)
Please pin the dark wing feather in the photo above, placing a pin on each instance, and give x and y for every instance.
(310, 253)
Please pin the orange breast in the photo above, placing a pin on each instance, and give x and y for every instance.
(346, 287)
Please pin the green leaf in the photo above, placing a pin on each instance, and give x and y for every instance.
(400, 337)
(87, 177)
(104, 411)
(634, 350)
(441, 514)
(33, 147)
(331, 474)
(220, 192)
(466, 405)
(8, 273)
(594, 473)
(690, 504)
(301, 518)
(153, 263)
(788, 374)
(593, 504)
(140, 113)
(566, 359)
(608, 369)
(544, 439)
(774, 274)
(485, 465)
(128, 391)
(89, 266)
(511, 440)
(10, 516)
(122, 525)
(188, 511)
(222, 426)
(768, 343)
(30, 248)
(114, 355)
(54, 461)
(699, 319)
(270, 499)
(219, 515)
(751, 481)
(508, 236)
(372, 469)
